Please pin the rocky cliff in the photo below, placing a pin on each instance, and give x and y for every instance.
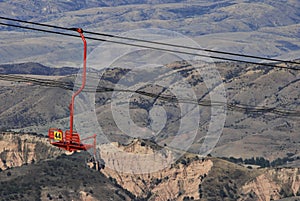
(273, 184)
(187, 178)
(19, 149)
(175, 182)
(32, 169)
(194, 178)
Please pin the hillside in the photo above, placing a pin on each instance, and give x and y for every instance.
(194, 178)
(68, 177)
(36, 69)
(23, 149)
(263, 28)
(62, 178)
(32, 169)
(249, 131)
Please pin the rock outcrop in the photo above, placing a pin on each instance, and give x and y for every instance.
(191, 177)
(150, 172)
(19, 149)
(132, 167)
(274, 184)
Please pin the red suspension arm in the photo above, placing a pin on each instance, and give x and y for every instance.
(80, 31)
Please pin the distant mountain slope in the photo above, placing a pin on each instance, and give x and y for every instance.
(190, 17)
(264, 28)
(271, 132)
(36, 8)
(35, 69)
(255, 14)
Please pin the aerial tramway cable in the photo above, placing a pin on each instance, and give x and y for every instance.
(243, 108)
(165, 49)
(155, 42)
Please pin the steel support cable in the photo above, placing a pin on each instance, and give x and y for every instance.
(156, 48)
(154, 42)
(207, 103)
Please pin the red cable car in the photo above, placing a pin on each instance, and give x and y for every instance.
(70, 139)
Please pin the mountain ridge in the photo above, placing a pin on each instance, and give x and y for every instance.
(33, 68)
(253, 133)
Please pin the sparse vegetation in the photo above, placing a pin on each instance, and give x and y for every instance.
(57, 176)
(224, 180)
(260, 161)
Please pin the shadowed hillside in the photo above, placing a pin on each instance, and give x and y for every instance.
(36, 69)
(62, 178)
